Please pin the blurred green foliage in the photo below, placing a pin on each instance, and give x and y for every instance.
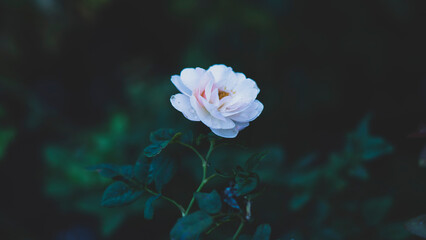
(84, 83)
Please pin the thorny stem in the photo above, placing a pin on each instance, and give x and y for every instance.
(205, 179)
(181, 209)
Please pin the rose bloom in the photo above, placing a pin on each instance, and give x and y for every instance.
(225, 101)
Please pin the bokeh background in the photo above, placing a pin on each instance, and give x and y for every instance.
(85, 82)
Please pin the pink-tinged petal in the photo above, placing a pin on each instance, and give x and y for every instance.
(181, 103)
(212, 109)
(230, 133)
(177, 81)
(207, 118)
(249, 114)
(208, 89)
(191, 77)
(214, 98)
(220, 72)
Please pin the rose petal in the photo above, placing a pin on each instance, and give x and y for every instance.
(207, 118)
(212, 109)
(177, 81)
(249, 114)
(181, 103)
(191, 77)
(230, 133)
(220, 72)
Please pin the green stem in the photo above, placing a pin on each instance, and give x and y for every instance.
(203, 182)
(211, 147)
(205, 179)
(181, 209)
(217, 225)
(194, 150)
(238, 230)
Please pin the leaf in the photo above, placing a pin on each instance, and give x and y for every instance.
(246, 184)
(187, 137)
(254, 161)
(375, 209)
(163, 135)
(210, 136)
(160, 139)
(359, 172)
(298, 201)
(149, 207)
(119, 194)
(141, 170)
(368, 147)
(209, 202)
(375, 147)
(417, 226)
(263, 232)
(154, 149)
(162, 171)
(191, 226)
(113, 170)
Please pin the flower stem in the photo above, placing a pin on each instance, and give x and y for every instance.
(181, 209)
(238, 230)
(194, 150)
(205, 179)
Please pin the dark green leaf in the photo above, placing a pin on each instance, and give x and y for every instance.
(118, 194)
(245, 184)
(209, 202)
(160, 139)
(359, 172)
(187, 137)
(162, 135)
(155, 148)
(298, 201)
(162, 171)
(191, 226)
(253, 161)
(210, 136)
(376, 209)
(113, 170)
(141, 170)
(263, 232)
(149, 207)
(367, 146)
(374, 147)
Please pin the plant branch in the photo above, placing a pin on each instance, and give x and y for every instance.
(205, 179)
(240, 227)
(181, 209)
(194, 150)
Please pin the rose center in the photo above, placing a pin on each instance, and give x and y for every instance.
(222, 94)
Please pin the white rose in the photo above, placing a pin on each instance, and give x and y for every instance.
(223, 100)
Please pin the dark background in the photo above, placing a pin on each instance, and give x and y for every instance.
(68, 67)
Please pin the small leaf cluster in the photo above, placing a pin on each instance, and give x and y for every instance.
(212, 213)
(131, 182)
